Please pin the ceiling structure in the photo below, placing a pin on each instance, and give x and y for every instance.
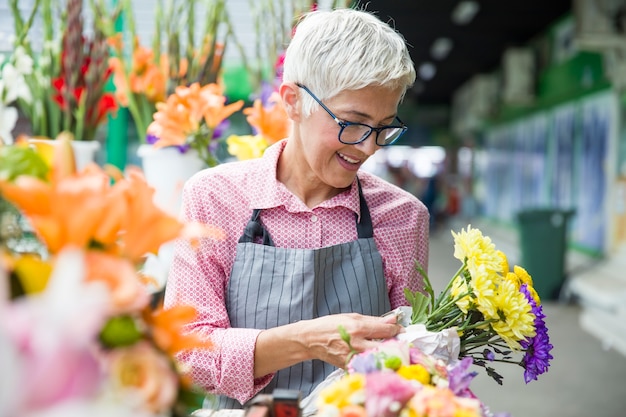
(476, 46)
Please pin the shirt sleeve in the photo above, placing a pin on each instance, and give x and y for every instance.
(197, 278)
(402, 237)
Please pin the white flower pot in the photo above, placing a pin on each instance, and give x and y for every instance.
(167, 169)
(85, 152)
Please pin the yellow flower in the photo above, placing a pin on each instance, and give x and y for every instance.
(246, 147)
(459, 286)
(525, 278)
(514, 319)
(483, 284)
(347, 391)
(513, 278)
(472, 247)
(415, 372)
(504, 263)
(32, 272)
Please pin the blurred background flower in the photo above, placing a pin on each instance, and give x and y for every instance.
(192, 117)
(269, 122)
(78, 317)
(145, 76)
(67, 83)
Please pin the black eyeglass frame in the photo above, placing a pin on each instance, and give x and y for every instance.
(344, 123)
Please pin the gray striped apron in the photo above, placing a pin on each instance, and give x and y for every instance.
(272, 286)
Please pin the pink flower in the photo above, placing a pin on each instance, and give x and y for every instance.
(51, 339)
(147, 373)
(386, 393)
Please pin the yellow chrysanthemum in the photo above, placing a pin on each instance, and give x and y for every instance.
(524, 278)
(416, 373)
(504, 262)
(343, 392)
(523, 275)
(477, 249)
(246, 147)
(484, 283)
(514, 319)
(459, 287)
(511, 276)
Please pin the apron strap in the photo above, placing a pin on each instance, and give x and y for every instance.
(254, 229)
(364, 227)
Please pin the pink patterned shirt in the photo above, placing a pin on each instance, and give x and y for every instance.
(225, 196)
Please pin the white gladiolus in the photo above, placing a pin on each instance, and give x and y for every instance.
(8, 119)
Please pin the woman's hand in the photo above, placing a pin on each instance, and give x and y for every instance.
(320, 338)
(324, 341)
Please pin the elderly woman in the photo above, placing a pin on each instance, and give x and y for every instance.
(313, 243)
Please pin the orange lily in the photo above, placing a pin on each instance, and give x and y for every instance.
(184, 111)
(168, 329)
(147, 227)
(64, 212)
(271, 121)
(127, 291)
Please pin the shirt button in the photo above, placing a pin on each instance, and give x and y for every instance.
(313, 218)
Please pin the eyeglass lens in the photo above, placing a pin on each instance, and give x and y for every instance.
(355, 133)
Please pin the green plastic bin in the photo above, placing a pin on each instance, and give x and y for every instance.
(543, 244)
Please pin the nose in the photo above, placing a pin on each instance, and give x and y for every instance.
(369, 146)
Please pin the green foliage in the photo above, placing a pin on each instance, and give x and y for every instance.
(17, 160)
(120, 331)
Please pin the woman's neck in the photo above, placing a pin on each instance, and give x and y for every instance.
(294, 173)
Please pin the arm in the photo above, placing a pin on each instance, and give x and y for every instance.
(319, 338)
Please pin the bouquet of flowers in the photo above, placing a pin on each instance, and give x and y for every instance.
(80, 331)
(495, 311)
(486, 314)
(399, 379)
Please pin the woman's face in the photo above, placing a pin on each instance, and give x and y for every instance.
(332, 162)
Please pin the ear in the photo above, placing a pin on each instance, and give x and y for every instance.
(290, 94)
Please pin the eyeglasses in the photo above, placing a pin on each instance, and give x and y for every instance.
(352, 133)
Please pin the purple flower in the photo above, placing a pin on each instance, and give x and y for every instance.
(489, 355)
(386, 393)
(151, 139)
(459, 377)
(221, 128)
(537, 357)
(364, 363)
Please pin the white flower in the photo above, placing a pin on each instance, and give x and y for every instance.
(13, 85)
(23, 62)
(8, 118)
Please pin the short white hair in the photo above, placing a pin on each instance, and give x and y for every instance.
(346, 49)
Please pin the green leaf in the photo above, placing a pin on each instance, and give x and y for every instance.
(17, 160)
(120, 331)
(420, 305)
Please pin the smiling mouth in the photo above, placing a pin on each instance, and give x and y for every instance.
(348, 159)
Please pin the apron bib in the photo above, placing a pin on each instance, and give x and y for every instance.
(272, 286)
